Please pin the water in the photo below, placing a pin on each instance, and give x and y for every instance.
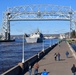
(11, 52)
(74, 46)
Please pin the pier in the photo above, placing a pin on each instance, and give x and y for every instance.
(62, 67)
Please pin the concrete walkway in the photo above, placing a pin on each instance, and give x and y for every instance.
(62, 67)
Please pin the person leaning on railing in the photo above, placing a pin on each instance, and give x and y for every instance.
(36, 66)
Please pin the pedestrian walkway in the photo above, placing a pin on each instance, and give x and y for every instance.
(62, 67)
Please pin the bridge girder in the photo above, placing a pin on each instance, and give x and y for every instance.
(39, 11)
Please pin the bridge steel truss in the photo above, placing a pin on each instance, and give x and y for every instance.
(36, 13)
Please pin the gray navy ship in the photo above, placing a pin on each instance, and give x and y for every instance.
(35, 37)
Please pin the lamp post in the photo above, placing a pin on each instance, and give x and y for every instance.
(50, 43)
(43, 46)
(23, 50)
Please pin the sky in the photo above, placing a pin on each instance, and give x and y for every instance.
(46, 27)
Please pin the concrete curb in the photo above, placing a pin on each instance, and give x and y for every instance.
(72, 50)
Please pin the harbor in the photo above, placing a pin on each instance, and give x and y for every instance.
(37, 31)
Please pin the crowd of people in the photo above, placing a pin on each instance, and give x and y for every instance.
(36, 66)
(44, 72)
(57, 56)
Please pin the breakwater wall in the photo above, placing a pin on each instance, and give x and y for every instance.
(18, 70)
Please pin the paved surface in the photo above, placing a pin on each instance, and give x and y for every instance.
(62, 67)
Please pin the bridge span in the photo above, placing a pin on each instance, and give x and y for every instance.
(36, 13)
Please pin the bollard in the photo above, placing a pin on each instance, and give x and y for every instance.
(38, 55)
(22, 67)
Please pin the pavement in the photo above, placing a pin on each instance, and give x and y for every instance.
(62, 67)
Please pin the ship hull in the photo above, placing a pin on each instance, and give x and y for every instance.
(34, 40)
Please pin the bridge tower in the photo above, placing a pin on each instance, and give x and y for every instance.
(6, 26)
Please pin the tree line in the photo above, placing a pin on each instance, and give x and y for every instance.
(73, 34)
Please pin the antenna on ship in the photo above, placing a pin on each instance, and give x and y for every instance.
(23, 50)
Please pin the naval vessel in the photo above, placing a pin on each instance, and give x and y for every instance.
(36, 37)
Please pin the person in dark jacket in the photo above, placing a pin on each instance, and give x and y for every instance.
(55, 56)
(67, 53)
(58, 56)
(73, 69)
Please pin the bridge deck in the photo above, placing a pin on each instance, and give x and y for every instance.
(62, 67)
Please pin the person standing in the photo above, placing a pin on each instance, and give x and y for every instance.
(67, 53)
(58, 56)
(29, 68)
(73, 69)
(36, 66)
(44, 72)
(55, 56)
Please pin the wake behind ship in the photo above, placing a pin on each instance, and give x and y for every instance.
(35, 37)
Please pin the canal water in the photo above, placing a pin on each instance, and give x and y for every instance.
(11, 52)
(73, 46)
